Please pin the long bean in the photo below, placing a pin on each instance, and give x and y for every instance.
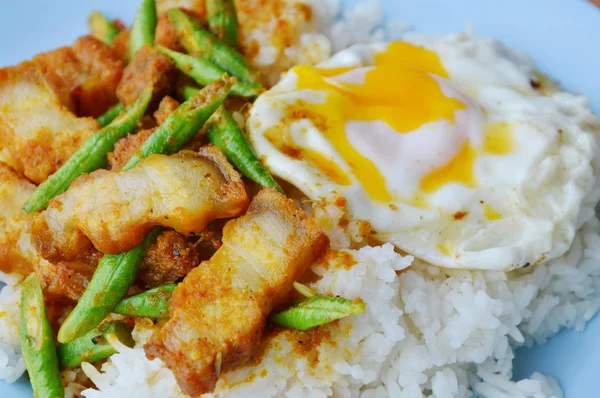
(101, 28)
(153, 303)
(109, 284)
(222, 20)
(201, 43)
(189, 91)
(204, 72)
(37, 342)
(93, 346)
(225, 134)
(115, 273)
(110, 115)
(91, 156)
(144, 27)
(316, 311)
(184, 122)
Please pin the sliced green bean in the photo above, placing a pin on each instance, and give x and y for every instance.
(153, 303)
(110, 282)
(204, 72)
(90, 156)
(316, 311)
(222, 20)
(201, 43)
(184, 122)
(225, 134)
(110, 115)
(189, 91)
(37, 342)
(101, 28)
(144, 27)
(93, 346)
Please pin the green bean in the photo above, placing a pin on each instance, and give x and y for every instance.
(189, 91)
(316, 311)
(201, 43)
(222, 20)
(91, 155)
(184, 122)
(204, 72)
(109, 284)
(153, 303)
(144, 27)
(101, 28)
(225, 134)
(93, 346)
(37, 342)
(110, 115)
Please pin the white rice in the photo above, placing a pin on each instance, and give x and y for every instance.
(11, 361)
(427, 331)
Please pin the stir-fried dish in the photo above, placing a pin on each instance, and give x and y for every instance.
(138, 164)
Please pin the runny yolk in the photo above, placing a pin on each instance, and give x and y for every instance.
(399, 90)
(498, 139)
(458, 170)
(490, 213)
(406, 54)
(445, 248)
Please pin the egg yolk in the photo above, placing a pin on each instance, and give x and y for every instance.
(498, 139)
(490, 213)
(458, 170)
(400, 90)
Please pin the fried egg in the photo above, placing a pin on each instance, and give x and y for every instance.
(448, 146)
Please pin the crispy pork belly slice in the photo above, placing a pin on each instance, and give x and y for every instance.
(38, 131)
(113, 211)
(218, 312)
(148, 66)
(15, 255)
(85, 75)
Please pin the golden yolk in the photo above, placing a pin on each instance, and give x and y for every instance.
(399, 90)
(328, 166)
(406, 54)
(445, 248)
(490, 213)
(458, 170)
(498, 139)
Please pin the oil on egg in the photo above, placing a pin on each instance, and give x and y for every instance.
(451, 155)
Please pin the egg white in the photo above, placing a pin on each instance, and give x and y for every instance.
(536, 191)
